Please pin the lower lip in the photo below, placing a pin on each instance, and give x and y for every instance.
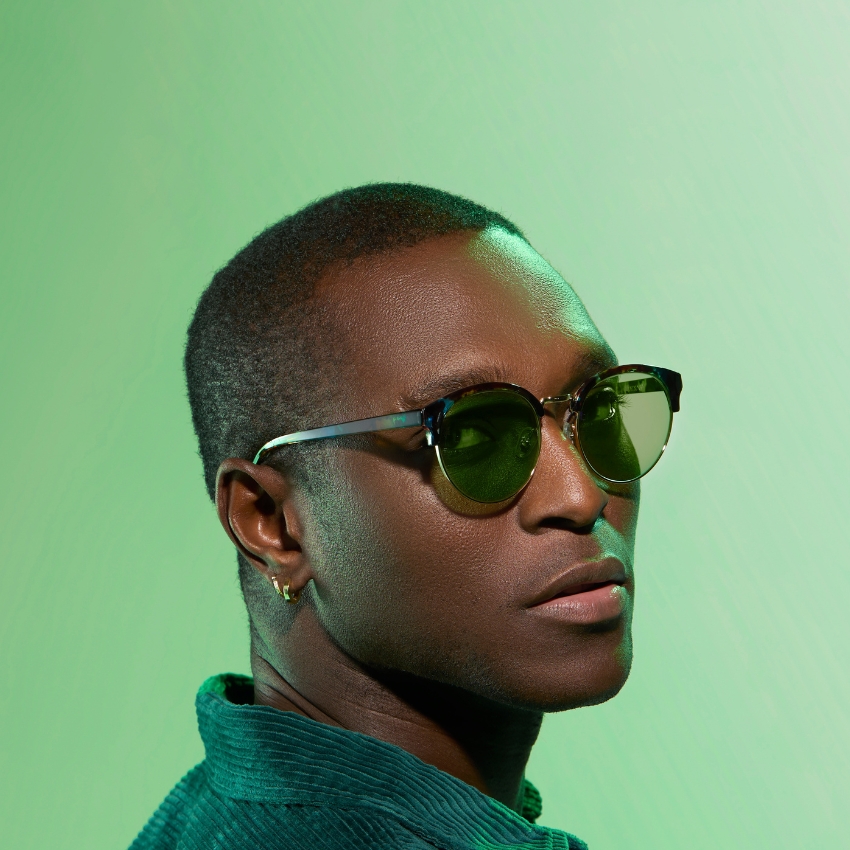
(591, 606)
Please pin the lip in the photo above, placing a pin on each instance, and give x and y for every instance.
(588, 592)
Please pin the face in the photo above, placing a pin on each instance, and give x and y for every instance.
(408, 574)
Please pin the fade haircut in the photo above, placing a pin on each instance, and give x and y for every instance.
(260, 356)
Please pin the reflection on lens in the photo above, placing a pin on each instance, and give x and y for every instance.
(489, 444)
(624, 424)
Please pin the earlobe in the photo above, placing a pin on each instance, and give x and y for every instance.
(251, 502)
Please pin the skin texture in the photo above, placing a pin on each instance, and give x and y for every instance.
(414, 624)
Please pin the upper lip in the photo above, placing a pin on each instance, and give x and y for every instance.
(583, 576)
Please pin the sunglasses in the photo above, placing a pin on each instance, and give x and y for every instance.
(488, 437)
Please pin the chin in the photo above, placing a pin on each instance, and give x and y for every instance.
(601, 679)
(593, 696)
(588, 675)
(591, 693)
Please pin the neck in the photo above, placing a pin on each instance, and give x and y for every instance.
(481, 742)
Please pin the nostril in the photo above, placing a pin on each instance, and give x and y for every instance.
(564, 523)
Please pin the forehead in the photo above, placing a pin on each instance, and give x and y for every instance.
(461, 309)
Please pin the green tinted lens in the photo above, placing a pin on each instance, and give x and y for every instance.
(489, 444)
(624, 424)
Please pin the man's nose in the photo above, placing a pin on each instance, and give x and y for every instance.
(562, 487)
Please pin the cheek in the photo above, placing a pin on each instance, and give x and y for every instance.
(621, 513)
(401, 580)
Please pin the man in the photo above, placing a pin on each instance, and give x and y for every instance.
(425, 583)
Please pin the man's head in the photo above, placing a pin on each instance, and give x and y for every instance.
(379, 300)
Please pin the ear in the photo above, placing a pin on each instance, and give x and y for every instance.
(255, 508)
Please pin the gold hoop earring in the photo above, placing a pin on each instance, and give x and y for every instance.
(291, 598)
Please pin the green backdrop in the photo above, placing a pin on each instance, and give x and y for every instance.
(684, 164)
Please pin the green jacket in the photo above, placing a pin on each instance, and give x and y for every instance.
(274, 779)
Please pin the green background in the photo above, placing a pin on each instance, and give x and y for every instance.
(684, 164)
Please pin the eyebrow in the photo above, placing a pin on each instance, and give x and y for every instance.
(589, 363)
(448, 382)
(592, 360)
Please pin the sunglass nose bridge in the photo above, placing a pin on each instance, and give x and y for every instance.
(560, 408)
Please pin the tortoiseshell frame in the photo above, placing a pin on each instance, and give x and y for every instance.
(432, 415)
(670, 380)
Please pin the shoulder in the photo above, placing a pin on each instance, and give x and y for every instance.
(194, 816)
(168, 822)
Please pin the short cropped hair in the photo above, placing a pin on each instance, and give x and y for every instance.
(259, 355)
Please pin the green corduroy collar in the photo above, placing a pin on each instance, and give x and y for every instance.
(262, 754)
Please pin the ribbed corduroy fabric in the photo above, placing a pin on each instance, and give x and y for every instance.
(274, 779)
